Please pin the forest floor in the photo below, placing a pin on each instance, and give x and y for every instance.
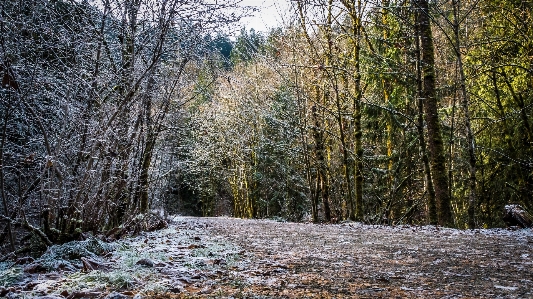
(234, 258)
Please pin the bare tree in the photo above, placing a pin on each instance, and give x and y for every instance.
(86, 95)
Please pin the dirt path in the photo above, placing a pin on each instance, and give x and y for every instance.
(234, 258)
(351, 260)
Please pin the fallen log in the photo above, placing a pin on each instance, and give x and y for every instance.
(516, 215)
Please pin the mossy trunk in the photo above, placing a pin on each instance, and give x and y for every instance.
(435, 142)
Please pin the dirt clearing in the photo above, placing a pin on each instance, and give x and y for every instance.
(235, 258)
(293, 260)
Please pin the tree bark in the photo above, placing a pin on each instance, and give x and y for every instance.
(431, 203)
(322, 172)
(435, 142)
(469, 134)
(2, 187)
(355, 10)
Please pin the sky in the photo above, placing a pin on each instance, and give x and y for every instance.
(270, 15)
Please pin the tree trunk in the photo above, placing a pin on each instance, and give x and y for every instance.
(387, 87)
(355, 10)
(143, 177)
(347, 161)
(432, 205)
(435, 142)
(322, 173)
(469, 134)
(2, 187)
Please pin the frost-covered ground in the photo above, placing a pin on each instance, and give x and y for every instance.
(360, 261)
(234, 258)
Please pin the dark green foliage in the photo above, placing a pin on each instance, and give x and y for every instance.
(223, 45)
(247, 46)
(280, 185)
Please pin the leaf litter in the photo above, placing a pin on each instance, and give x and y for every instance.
(235, 258)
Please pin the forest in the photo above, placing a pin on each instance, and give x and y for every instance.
(377, 111)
